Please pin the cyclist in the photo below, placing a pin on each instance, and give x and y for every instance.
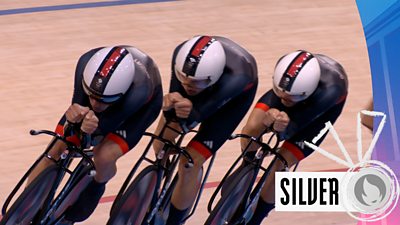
(213, 83)
(117, 96)
(308, 90)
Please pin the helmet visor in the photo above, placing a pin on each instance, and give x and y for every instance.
(292, 97)
(191, 81)
(108, 99)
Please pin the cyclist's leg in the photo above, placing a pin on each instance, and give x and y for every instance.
(186, 189)
(211, 136)
(45, 162)
(105, 156)
(266, 202)
(268, 191)
(108, 152)
(86, 203)
(254, 126)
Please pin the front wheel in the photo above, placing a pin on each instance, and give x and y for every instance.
(225, 210)
(31, 199)
(134, 204)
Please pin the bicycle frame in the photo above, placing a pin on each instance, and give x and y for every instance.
(72, 180)
(143, 157)
(166, 164)
(63, 163)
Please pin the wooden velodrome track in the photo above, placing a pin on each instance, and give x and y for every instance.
(39, 51)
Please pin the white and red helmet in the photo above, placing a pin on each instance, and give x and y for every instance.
(297, 74)
(108, 74)
(201, 58)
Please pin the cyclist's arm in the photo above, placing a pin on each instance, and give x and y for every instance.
(254, 127)
(168, 116)
(111, 147)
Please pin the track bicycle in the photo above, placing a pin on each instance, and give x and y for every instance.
(239, 196)
(145, 201)
(44, 200)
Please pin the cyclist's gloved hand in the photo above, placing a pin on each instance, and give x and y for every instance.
(168, 108)
(181, 105)
(167, 103)
(75, 113)
(90, 122)
(169, 100)
(277, 120)
(270, 117)
(281, 122)
(177, 109)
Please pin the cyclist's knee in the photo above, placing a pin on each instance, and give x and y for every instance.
(184, 169)
(56, 151)
(106, 156)
(105, 162)
(288, 156)
(46, 162)
(198, 161)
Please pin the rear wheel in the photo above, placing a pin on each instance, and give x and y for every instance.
(134, 204)
(233, 196)
(31, 199)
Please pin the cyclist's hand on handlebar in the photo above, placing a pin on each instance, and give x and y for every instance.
(270, 117)
(90, 123)
(167, 103)
(279, 120)
(170, 99)
(182, 106)
(75, 113)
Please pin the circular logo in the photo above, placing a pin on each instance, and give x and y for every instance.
(370, 188)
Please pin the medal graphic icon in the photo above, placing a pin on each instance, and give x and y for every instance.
(372, 189)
